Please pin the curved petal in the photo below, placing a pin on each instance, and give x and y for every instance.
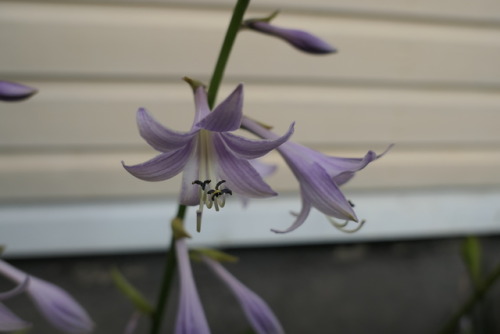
(20, 288)
(301, 217)
(160, 137)
(227, 115)
(190, 315)
(60, 309)
(201, 106)
(163, 166)
(319, 188)
(258, 313)
(241, 177)
(9, 321)
(250, 149)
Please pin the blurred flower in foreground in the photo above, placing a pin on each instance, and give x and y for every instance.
(319, 176)
(301, 40)
(215, 162)
(8, 320)
(256, 310)
(190, 315)
(58, 307)
(11, 91)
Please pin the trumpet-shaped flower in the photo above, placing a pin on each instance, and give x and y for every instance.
(190, 315)
(58, 307)
(256, 310)
(11, 91)
(8, 320)
(215, 162)
(319, 176)
(299, 39)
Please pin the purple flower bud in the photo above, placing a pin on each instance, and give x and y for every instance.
(190, 316)
(58, 307)
(11, 91)
(301, 40)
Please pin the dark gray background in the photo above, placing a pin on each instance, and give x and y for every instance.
(379, 287)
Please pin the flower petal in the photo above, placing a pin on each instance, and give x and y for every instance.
(160, 137)
(12, 91)
(227, 115)
(190, 194)
(9, 321)
(318, 188)
(201, 106)
(60, 309)
(301, 40)
(301, 217)
(241, 177)
(250, 149)
(190, 315)
(264, 169)
(258, 313)
(163, 166)
(20, 288)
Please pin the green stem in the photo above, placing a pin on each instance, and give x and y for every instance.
(450, 326)
(225, 51)
(168, 276)
(218, 74)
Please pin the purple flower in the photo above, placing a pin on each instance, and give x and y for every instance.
(256, 310)
(58, 307)
(301, 40)
(190, 316)
(11, 91)
(215, 162)
(319, 176)
(8, 320)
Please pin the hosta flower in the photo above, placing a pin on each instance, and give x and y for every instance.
(256, 310)
(190, 315)
(319, 176)
(215, 162)
(299, 39)
(58, 307)
(8, 320)
(11, 91)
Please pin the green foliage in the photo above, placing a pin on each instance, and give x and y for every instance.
(140, 303)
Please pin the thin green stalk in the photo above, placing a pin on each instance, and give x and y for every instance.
(168, 276)
(225, 51)
(450, 326)
(218, 74)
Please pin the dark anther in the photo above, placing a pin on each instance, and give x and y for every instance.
(219, 183)
(201, 184)
(350, 203)
(227, 191)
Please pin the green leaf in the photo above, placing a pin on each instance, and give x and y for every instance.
(131, 293)
(213, 254)
(471, 255)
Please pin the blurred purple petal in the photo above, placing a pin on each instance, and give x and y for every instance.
(160, 137)
(190, 315)
(251, 149)
(258, 313)
(163, 166)
(241, 177)
(58, 307)
(227, 115)
(12, 92)
(301, 40)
